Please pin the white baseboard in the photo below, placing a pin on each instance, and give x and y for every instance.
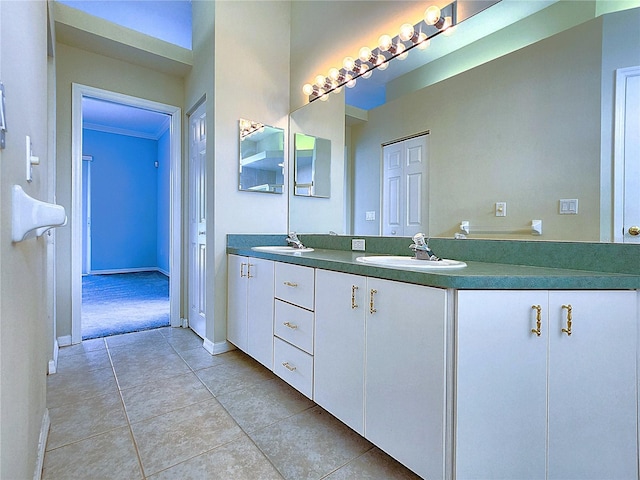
(64, 341)
(53, 363)
(42, 444)
(217, 348)
(127, 270)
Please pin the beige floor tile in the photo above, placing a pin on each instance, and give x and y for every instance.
(176, 436)
(109, 456)
(373, 465)
(84, 362)
(73, 422)
(309, 445)
(64, 388)
(137, 338)
(199, 358)
(229, 376)
(238, 460)
(262, 404)
(162, 396)
(184, 342)
(143, 352)
(82, 347)
(140, 370)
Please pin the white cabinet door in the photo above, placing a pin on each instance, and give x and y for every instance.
(405, 387)
(339, 346)
(501, 399)
(260, 279)
(592, 385)
(237, 301)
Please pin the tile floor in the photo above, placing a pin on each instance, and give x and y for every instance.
(156, 405)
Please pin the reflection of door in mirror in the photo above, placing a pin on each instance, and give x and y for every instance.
(261, 164)
(312, 175)
(405, 187)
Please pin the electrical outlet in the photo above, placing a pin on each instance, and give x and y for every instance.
(357, 244)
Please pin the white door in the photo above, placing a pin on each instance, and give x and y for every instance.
(405, 187)
(627, 146)
(592, 385)
(501, 385)
(197, 220)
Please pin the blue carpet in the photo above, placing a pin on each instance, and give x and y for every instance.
(123, 303)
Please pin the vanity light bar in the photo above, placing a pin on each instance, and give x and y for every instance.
(435, 22)
(247, 127)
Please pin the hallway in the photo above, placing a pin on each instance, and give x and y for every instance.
(155, 404)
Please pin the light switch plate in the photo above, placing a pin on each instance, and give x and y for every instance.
(357, 244)
(370, 215)
(501, 209)
(568, 206)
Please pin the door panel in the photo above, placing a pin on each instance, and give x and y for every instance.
(197, 221)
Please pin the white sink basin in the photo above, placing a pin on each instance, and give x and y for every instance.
(410, 262)
(281, 249)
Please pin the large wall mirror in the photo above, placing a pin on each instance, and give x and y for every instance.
(312, 166)
(261, 163)
(529, 128)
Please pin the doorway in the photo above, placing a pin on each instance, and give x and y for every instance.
(78, 227)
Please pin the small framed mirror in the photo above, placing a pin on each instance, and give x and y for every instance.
(312, 171)
(261, 165)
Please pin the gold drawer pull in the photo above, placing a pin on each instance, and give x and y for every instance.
(538, 309)
(353, 296)
(372, 309)
(288, 366)
(290, 325)
(291, 284)
(569, 319)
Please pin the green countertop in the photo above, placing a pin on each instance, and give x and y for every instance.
(476, 276)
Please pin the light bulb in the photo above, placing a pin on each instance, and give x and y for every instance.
(447, 23)
(400, 51)
(348, 63)
(307, 89)
(384, 42)
(334, 73)
(324, 97)
(364, 54)
(337, 89)
(423, 41)
(381, 62)
(432, 15)
(364, 71)
(406, 32)
(320, 80)
(351, 82)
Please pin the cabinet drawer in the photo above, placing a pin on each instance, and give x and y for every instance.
(295, 325)
(294, 366)
(295, 284)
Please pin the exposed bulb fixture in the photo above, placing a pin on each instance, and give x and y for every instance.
(406, 32)
(432, 15)
(436, 21)
(423, 42)
(364, 54)
(348, 63)
(384, 42)
(381, 62)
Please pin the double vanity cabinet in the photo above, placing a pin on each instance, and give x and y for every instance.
(453, 383)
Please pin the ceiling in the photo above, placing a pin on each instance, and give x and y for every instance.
(121, 119)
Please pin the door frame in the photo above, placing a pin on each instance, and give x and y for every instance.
(618, 149)
(175, 172)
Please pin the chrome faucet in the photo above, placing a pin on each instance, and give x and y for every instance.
(294, 241)
(420, 247)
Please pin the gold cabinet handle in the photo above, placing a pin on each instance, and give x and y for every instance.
(288, 366)
(242, 265)
(353, 297)
(371, 307)
(290, 325)
(291, 284)
(635, 230)
(249, 265)
(569, 309)
(538, 310)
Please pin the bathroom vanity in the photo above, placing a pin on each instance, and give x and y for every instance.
(491, 371)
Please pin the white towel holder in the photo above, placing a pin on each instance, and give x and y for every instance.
(29, 214)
